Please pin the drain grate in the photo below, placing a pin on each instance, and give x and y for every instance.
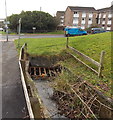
(43, 72)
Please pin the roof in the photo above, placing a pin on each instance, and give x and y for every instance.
(60, 11)
(104, 9)
(77, 8)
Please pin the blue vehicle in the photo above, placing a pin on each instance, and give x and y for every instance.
(97, 30)
(72, 31)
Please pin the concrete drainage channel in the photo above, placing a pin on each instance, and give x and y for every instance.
(42, 74)
(36, 74)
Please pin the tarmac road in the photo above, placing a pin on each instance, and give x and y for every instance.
(13, 37)
(13, 101)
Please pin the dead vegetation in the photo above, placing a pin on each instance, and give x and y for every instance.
(80, 100)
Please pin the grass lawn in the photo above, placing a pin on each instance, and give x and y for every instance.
(91, 45)
(2, 32)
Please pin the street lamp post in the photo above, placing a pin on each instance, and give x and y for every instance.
(19, 30)
(6, 23)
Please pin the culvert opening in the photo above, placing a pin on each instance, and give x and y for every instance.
(45, 67)
(44, 72)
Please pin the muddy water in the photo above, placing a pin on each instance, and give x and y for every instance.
(45, 92)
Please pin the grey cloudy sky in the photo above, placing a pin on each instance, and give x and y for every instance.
(50, 6)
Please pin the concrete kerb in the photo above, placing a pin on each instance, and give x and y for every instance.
(0, 80)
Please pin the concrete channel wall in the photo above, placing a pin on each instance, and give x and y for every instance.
(24, 85)
(34, 104)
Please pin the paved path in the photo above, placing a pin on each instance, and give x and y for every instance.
(13, 101)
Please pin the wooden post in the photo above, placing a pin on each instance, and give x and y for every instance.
(26, 46)
(101, 67)
(39, 71)
(25, 51)
(34, 70)
(67, 42)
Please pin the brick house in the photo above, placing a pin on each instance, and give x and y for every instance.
(60, 17)
(82, 17)
(105, 18)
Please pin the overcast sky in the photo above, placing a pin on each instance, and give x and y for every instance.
(50, 6)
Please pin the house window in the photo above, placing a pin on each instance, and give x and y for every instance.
(83, 18)
(103, 19)
(75, 21)
(110, 15)
(109, 22)
(103, 22)
(104, 16)
(90, 15)
(108, 28)
(99, 21)
(75, 12)
(100, 15)
(89, 19)
(62, 20)
(109, 19)
(84, 14)
(61, 17)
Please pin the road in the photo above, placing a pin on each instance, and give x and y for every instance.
(12, 99)
(13, 37)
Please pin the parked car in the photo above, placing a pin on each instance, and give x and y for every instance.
(73, 31)
(1, 29)
(97, 30)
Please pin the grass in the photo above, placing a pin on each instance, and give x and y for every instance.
(44, 46)
(2, 32)
(91, 45)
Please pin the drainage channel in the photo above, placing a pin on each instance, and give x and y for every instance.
(41, 77)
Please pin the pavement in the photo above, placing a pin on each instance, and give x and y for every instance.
(13, 100)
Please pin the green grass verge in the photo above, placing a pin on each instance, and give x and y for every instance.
(2, 32)
(44, 46)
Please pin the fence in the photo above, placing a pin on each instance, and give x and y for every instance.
(98, 64)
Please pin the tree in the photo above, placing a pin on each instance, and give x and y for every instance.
(13, 22)
(43, 22)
